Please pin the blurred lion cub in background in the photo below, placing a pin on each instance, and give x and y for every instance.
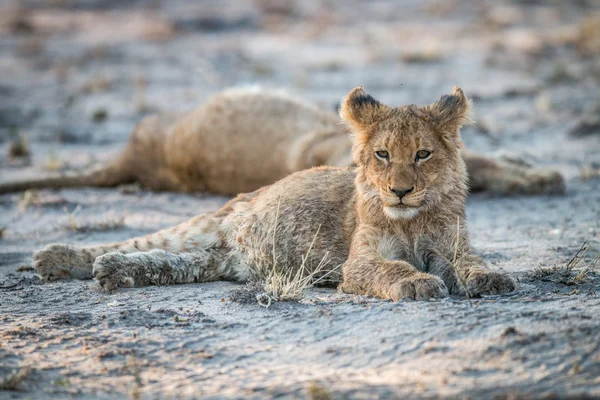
(243, 139)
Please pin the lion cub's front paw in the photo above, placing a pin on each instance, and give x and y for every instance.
(62, 261)
(419, 287)
(489, 282)
(111, 273)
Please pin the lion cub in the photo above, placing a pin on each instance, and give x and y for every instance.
(392, 223)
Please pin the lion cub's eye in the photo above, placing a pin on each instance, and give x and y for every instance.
(422, 155)
(384, 155)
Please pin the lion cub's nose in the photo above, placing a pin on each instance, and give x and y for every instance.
(401, 192)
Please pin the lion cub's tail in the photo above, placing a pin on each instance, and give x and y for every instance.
(112, 174)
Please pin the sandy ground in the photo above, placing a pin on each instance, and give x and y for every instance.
(76, 75)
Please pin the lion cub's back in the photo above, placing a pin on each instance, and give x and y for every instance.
(253, 129)
(313, 205)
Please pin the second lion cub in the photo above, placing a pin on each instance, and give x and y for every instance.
(392, 223)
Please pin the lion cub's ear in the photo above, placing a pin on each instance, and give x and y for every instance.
(360, 110)
(451, 112)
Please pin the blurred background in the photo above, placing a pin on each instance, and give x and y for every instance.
(76, 75)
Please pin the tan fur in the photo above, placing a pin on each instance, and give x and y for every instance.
(389, 245)
(243, 139)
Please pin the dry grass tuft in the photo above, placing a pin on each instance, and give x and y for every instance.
(588, 171)
(262, 69)
(54, 163)
(98, 84)
(561, 73)
(588, 38)
(567, 275)
(2, 231)
(289, 286)
(30, 197)
(71, 217)
(100, 115)
(441, 8)
(316, 391)
(456, 258)
(75, 225)
(14, 381)
(19, 148)
(277, 7)
(158, 30)
(282, 286)
(282, 283)
(429, 52)
(589, 123)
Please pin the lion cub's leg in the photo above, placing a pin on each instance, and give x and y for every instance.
(159, 267)
(62, 261)
(505, 177)
(370, 271)
(479, 279)
(473, 275)
(390, 280)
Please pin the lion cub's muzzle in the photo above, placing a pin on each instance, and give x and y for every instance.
(410, 198)
(414, 198)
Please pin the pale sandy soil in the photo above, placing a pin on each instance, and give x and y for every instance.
(534, 72)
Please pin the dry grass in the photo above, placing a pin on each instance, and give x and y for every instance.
(2, 231)
(71, 217)
(456, 259)
(14, 381)
(567, 274)
(19, 147)
(441, 8)
(588, 171)
(277, 7)
(279, 285)
(262, 69)
(98, 84)
(287, 286)
(561, 73)
(157, 30)
(429, 52)
(282, 283)
(29, 46)
(30, 197)
(133, 367)
(543, 102)
(54, 163)
(317, 391)
(75, 225)
(100, 115)
(589, 123)
(587, 41)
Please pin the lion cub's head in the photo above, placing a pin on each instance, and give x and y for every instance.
(408, 157)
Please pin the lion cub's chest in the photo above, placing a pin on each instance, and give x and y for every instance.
(412, 248)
